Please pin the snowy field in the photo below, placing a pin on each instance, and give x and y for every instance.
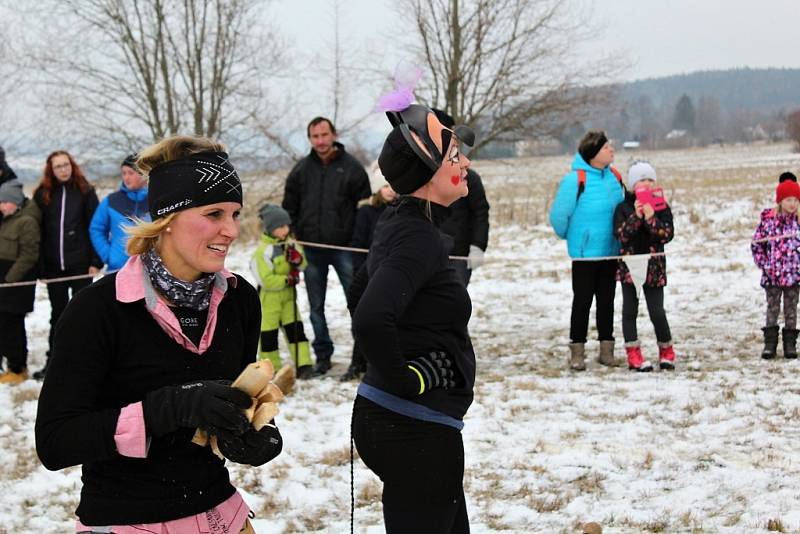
(712, 447)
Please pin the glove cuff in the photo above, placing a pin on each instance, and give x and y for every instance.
(419, 377)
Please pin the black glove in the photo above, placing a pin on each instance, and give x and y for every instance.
(433, 370)
(211, 405)
(293, 256)
(293, 278)
(253, 447)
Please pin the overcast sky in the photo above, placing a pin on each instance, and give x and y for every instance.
(661, 37)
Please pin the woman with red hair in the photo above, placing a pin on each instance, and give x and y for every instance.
(67, 202)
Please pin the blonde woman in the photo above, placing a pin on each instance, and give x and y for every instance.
(144, 356)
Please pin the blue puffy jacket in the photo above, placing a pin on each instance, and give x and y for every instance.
(587, 223)
(113, 214)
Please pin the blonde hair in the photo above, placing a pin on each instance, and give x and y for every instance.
(175, 147)
(144, 235)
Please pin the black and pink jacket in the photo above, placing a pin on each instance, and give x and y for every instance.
(116, 341)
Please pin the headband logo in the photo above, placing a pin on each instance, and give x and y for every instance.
(214, 174)
(173, 207)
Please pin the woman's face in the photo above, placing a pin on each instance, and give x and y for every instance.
(387, 193)
(605, 157)
(62, 168)
(198, 239)
(645, 183)
(449, 183)
(132, 179)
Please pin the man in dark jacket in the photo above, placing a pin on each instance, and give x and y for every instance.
(468, 223)
(6, 173)
(19, 254)
(321, 195)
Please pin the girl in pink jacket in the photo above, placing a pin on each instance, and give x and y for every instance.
(775, 251)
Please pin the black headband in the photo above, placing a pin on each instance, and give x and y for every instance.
(197, 180)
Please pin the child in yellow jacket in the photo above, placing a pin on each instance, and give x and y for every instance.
(276, 264)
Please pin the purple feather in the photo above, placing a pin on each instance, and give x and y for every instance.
(406, 78)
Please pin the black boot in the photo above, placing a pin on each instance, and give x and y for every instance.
(790, 343)
(322, 366)
(358, 365)
(770, 342)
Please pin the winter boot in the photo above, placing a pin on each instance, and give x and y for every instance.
(11, 378)
(357, 367)
(577, 356)
(354, 371)
(636, 361)
(770, 342)
(666, 356)
(322, 366)
(790, 343)
(304, 372)
(606, 356)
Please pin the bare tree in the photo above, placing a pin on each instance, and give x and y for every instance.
(507, 67)
(139, 70)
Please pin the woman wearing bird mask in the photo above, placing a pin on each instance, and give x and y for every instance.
(411, 322)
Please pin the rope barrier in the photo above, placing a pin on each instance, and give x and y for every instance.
(364, 251)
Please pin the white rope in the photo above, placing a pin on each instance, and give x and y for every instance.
(364, 251)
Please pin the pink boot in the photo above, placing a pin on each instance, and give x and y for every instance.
(636, 361)
(666, 356)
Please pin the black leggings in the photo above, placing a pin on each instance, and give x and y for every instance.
(421, 465)
(593, 280)
(60, 294)
(654, 296)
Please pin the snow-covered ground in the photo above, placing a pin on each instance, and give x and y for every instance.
(712, 447)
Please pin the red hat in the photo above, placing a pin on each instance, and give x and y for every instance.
(787, 189)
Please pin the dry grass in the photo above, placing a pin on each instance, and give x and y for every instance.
(337, 457)
(775, 525)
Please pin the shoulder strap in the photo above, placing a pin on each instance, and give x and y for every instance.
(617, 174)
(581, 182)
(582, 179)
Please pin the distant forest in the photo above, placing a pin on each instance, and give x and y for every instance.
(697, 109)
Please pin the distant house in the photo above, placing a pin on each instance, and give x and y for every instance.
(676, 134)
(630, 145)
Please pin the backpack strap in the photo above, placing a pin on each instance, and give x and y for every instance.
(618, 175)
(582, 180)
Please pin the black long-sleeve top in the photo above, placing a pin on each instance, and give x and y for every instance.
(109, 354)
(414, 303)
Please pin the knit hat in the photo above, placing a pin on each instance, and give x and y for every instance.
(192, 181)
(787, 176)
(376, 178)
(787, 189)
(11, 191)
(591, 144)
(130, 161)
(401, 166)
(273, 216)
(641, 170)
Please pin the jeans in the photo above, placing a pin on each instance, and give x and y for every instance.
(593, 280)
(316, 276)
